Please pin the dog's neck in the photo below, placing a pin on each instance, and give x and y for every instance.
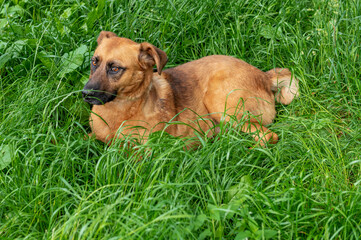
(133, 97)
(137, 90)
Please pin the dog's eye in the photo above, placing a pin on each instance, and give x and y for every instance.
(94, 62)
(115, 69)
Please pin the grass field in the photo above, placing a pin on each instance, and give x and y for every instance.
(56, 185)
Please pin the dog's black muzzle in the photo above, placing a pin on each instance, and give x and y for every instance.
(96, 97)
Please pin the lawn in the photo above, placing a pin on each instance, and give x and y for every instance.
(54, 184)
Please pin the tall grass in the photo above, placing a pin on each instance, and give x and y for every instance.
(54, 184)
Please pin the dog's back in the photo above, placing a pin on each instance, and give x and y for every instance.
(215, 83)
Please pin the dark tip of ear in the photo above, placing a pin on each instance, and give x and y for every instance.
(105, 34)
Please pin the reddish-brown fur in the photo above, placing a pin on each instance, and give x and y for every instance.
(211, 87)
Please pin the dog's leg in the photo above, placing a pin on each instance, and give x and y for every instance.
(260, 133)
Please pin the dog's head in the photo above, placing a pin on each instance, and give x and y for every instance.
(121, 68)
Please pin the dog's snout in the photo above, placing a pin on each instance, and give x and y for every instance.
(91, 87)
(96, 94)
(87, 92)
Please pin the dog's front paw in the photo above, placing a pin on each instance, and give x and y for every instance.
(88, 136)
(266, 138)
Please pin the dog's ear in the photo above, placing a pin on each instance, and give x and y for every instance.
(105, 34)
(150, 55)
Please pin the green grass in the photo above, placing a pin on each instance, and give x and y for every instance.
(56, 185)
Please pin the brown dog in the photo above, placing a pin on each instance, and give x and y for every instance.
(125, 92)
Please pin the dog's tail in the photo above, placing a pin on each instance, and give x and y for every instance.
(283, 84)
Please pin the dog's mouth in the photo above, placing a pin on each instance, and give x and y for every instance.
(93, 101)
(97, 98)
